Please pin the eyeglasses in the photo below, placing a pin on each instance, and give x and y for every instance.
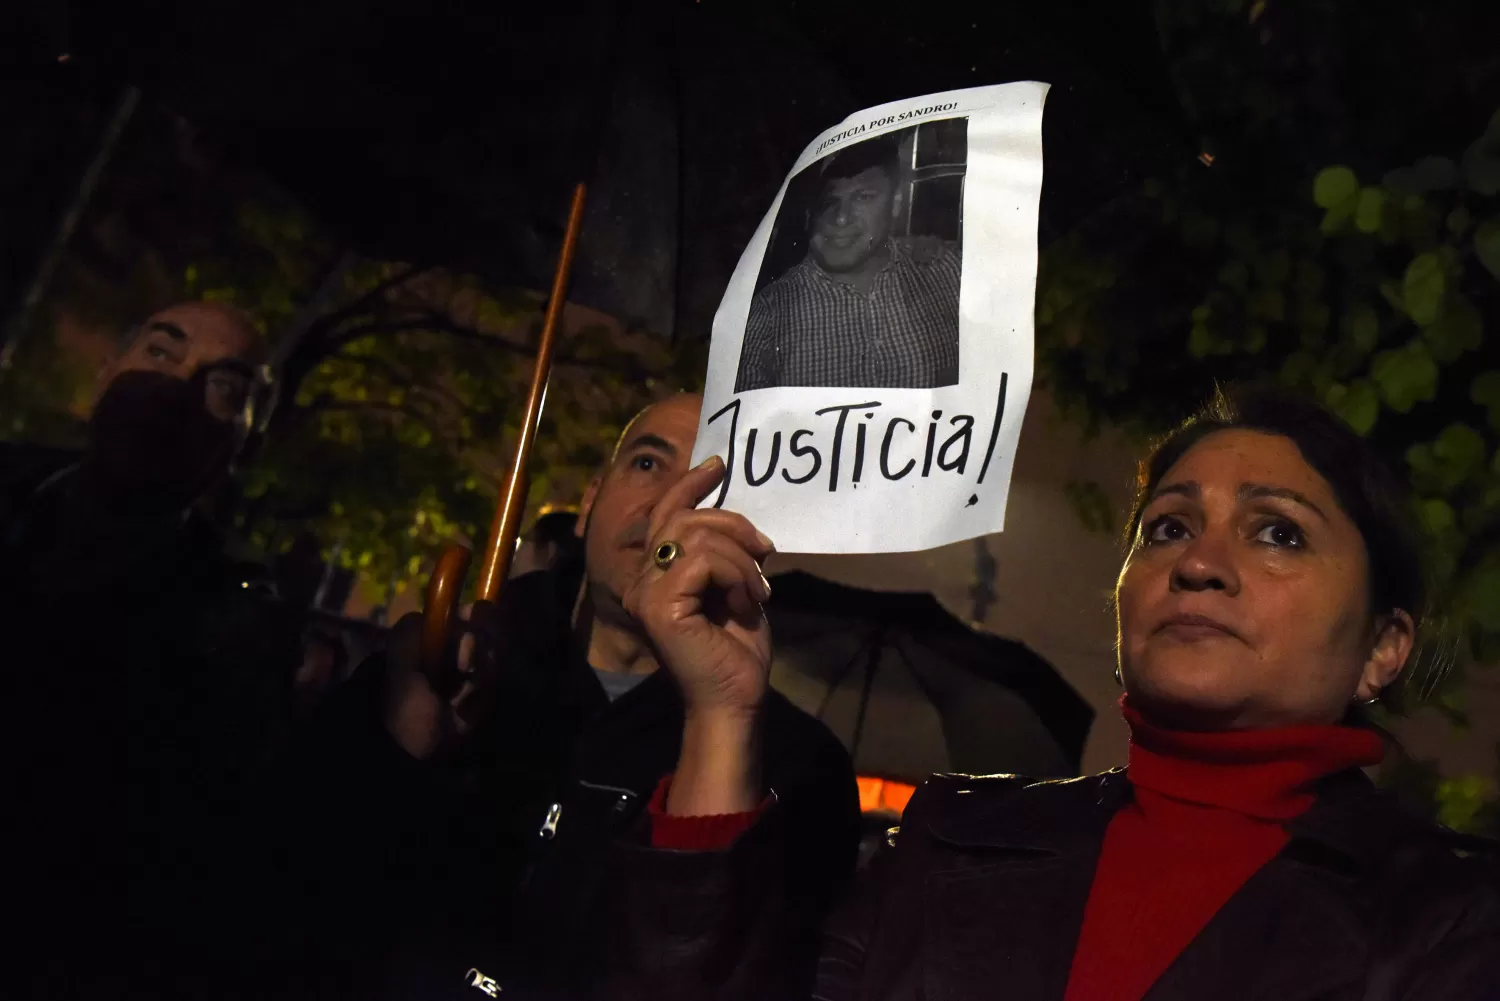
(232, 390)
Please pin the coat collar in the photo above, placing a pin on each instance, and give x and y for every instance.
(1006, 811)
(1352, 821)
(1357, 824)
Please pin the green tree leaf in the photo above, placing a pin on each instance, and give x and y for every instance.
(1367, 213)
(1459, 329)
(1405, 376)
(1445, 464)
(1334, 186)
(1422, 288)
(1463, 801)
(1362, 327)
(1356, 403)
(1486, 392)
(1436, 515)
(1487, 246)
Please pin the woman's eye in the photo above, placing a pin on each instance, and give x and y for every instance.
(645, 463)
(156, 353)
(1167, 528)
(1282, 534)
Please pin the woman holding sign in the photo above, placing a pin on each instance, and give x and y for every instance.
(1272, 587)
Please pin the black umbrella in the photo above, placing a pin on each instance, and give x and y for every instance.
(911, 690)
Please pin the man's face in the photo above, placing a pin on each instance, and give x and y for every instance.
(654, 454)
(182, 339)
(853, 219)
(168, 418)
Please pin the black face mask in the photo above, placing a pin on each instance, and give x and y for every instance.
(153, 446)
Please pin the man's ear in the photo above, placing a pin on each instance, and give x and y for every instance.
(591, 494)
(1393, 645)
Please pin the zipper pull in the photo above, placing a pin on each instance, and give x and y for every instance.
(549, 825)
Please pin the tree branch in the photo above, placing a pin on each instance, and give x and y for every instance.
(326, 404)
(423, 321)
(442, 324)
(375, 292)
(406, 380)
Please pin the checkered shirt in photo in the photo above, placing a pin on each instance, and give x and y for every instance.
(808, 329)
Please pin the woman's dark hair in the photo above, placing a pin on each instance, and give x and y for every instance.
(1367, 489)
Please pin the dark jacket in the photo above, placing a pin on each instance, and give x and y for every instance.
(982, 896)
(451, 866)
(146, 689)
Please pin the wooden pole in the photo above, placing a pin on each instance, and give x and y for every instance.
(447, 577)
(507, 525)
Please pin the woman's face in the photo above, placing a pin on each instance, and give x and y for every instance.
(1244, 601)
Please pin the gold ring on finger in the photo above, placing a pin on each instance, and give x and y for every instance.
(665, 555)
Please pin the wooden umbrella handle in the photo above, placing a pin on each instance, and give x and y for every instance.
(443, 592)
(448, 576)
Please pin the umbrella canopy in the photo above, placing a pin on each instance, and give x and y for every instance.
(911, 690)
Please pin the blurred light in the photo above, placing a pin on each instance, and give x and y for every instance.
(1207, 159)
(65, 57)
(245, 584)
(883, 795)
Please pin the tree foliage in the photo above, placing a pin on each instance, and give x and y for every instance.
(398, 386)
(398, 403)
(1368, 285)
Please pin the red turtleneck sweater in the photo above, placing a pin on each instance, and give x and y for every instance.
(1208, 811)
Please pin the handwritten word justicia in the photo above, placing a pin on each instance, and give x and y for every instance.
(880, 443)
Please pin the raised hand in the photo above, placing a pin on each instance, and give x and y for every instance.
(702, 610)
(699, 598)
(418, 716)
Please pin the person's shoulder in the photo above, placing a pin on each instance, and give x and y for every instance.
(927, 251)
(789, 728)
(794, 278)
(1464, 860)
(984, 810)
(25, 464)
(1442, 885)
(950, 790)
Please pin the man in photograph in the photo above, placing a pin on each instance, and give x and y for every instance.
(864, 308)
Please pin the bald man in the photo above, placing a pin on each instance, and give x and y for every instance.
(170, 412)
(144, 667)
(561, 739)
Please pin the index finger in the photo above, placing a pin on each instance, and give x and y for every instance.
(685, 494)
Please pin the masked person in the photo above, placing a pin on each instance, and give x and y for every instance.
(144, 669)
(504, 796)
(1273, 586)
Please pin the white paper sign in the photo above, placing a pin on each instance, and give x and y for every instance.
(872, 356)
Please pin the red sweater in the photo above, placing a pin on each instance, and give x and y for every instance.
(1207, 813)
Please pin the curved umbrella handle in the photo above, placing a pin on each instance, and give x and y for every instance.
(443, 592)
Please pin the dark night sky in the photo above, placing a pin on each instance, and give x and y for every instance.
(451, 132)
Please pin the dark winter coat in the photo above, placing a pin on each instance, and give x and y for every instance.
(981, 895)
(499, 860)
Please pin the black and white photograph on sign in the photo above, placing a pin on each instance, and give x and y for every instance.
(859, 285)
(873, 352)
